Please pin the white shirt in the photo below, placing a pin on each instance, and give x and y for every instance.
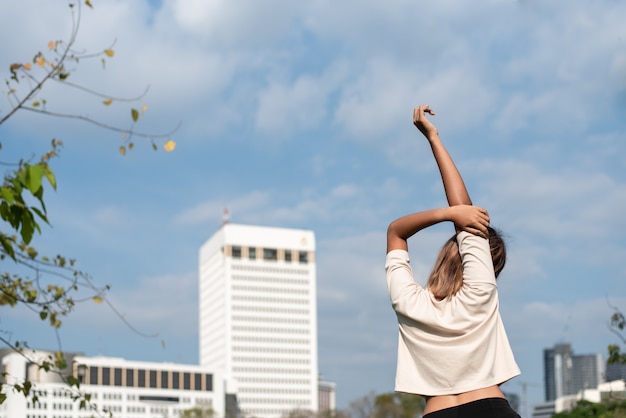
(457, 344)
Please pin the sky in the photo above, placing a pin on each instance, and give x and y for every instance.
(299, 115)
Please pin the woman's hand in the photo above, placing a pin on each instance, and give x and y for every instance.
(469, 218)
(422, 123)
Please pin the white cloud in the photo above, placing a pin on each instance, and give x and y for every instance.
(283, 109)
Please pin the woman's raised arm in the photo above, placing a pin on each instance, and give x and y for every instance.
(453, 184)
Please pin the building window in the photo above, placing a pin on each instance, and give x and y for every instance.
(164, 379)
(175, 380)
(197, 381)
(141, 378)
(270, 254)
(208, 382)
(252, 253)
(187, 381)
(117, 377)
(130, 377)
(153, 376)
(303, 256)
(93, 375)
(106, 376)
(288, 255)
(236, 251)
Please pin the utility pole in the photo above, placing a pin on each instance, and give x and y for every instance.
(525, 397)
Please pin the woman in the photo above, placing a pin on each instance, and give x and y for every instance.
(452, 346)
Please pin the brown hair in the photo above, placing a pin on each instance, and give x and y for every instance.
(446, 278)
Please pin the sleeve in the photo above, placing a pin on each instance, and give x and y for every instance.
(407, 297)
(476, 257)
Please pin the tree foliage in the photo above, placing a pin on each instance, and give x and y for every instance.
(585, 409)
(198, 412)
(617, 325)
(49, 285)
(387, 405)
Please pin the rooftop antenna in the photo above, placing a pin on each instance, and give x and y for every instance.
(225, 216)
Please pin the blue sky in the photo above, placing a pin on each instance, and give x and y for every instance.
(298, 114)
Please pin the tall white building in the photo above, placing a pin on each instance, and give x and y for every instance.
(258, 316)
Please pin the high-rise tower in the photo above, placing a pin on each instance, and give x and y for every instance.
(258, 316)
(567, 374)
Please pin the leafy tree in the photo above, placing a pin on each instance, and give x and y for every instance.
(387, 405)
(363, 407)
(198, 412)
(48, 285)
(617, 324)
(303, 413)
(398, 405)
(606, 409)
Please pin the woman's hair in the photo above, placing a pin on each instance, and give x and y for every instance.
(446, 278)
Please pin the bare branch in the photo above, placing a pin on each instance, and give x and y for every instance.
(130, 132)
(55, 69)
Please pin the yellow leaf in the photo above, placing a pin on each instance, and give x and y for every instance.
(144, 108)
(41, 62)
(52, 44)
(107, 102)
(88, 3)
(27, 66)
(169, 146)
(97, 299)
(123, 150)
(109, 53)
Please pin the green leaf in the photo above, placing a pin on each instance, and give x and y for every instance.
(28, 227)
(72, 381)
(88, 3)
(7, 194)
(59, 360)
(34, 175)
(39, 213)
(47, 171)
(135, 114)
(43, 315)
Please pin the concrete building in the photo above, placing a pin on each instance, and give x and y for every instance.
(326, 396)
(566, 373)
(128, 389)
(615, 371)
(258, 316)
(604, 391)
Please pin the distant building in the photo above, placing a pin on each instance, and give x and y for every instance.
(125, 388)
(615, 371)
(566, 373)
(326, 396)
(258, 316)
(607, 390)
